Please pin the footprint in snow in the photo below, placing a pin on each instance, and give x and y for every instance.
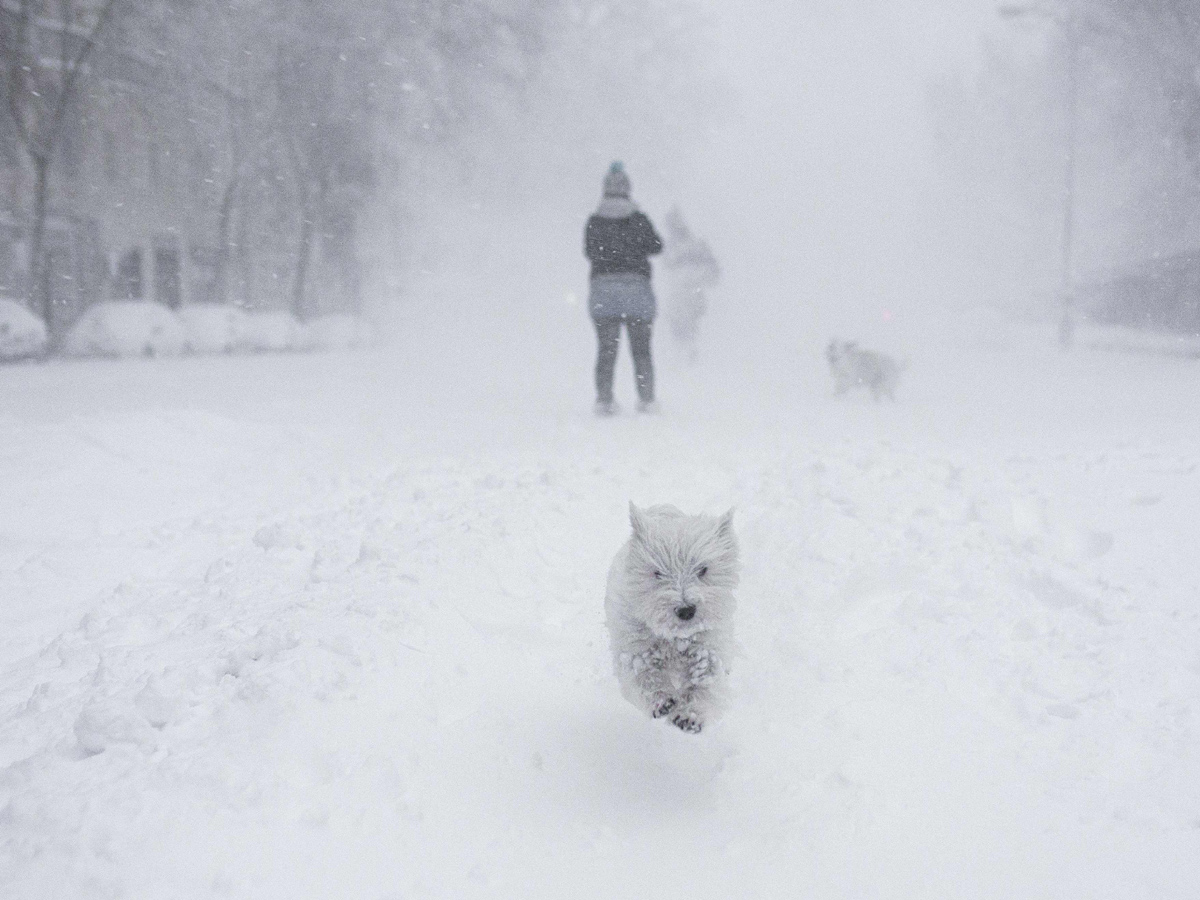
(1063, 710)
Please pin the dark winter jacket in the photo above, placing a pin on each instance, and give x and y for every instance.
(621, 245)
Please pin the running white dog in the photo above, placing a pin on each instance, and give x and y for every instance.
(851, 366)
(669, 609)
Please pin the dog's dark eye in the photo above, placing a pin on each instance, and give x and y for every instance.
(657, 574)
(703, 571)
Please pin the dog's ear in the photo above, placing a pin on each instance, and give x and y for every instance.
(637, 519)
(725, 524)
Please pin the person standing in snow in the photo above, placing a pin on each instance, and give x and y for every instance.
(618, 241)
(693, 270)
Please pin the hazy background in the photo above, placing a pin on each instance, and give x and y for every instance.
(866, 168)
(797, 141)
(890, 171)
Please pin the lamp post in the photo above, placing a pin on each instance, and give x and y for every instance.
(1068, 24)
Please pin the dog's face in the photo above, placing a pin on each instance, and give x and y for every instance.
(851, 365)
(682, 569)
(840, 353)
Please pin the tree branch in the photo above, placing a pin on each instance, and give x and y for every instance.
(71, 78)
(17, 69)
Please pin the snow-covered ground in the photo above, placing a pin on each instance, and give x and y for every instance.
(331, 626)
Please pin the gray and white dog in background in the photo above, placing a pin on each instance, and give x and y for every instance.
(669, 609)
(851, 366)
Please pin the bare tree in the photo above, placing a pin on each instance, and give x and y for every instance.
(301, 115)
(1156, 43)
(355, 86)
(323, 88)
(41, 91)
(252, 135)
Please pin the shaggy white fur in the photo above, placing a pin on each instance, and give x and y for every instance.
(669, 609)
(852, 366)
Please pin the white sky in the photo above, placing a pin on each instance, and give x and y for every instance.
(819, 184)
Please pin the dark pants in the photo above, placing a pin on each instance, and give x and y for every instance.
(608, 331)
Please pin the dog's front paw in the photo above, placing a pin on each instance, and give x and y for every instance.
(662, 707)
(687, 724)
(702, 666)
(702, 673)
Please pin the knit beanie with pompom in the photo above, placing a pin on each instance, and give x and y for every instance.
(616, 182)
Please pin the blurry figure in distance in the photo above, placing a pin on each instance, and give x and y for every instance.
(693, 270)
(619, 241)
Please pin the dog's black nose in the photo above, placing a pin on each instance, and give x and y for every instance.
(686, 612)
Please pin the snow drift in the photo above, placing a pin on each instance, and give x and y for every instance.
(336, 332)
(284, 627)
(272, 331)
(136, 328)
(212, 328)
(22, 334)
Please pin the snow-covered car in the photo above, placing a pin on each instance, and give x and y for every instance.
(22, 334)
(212, 328)
(336, 332)
(125, 328)
(274, 330)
